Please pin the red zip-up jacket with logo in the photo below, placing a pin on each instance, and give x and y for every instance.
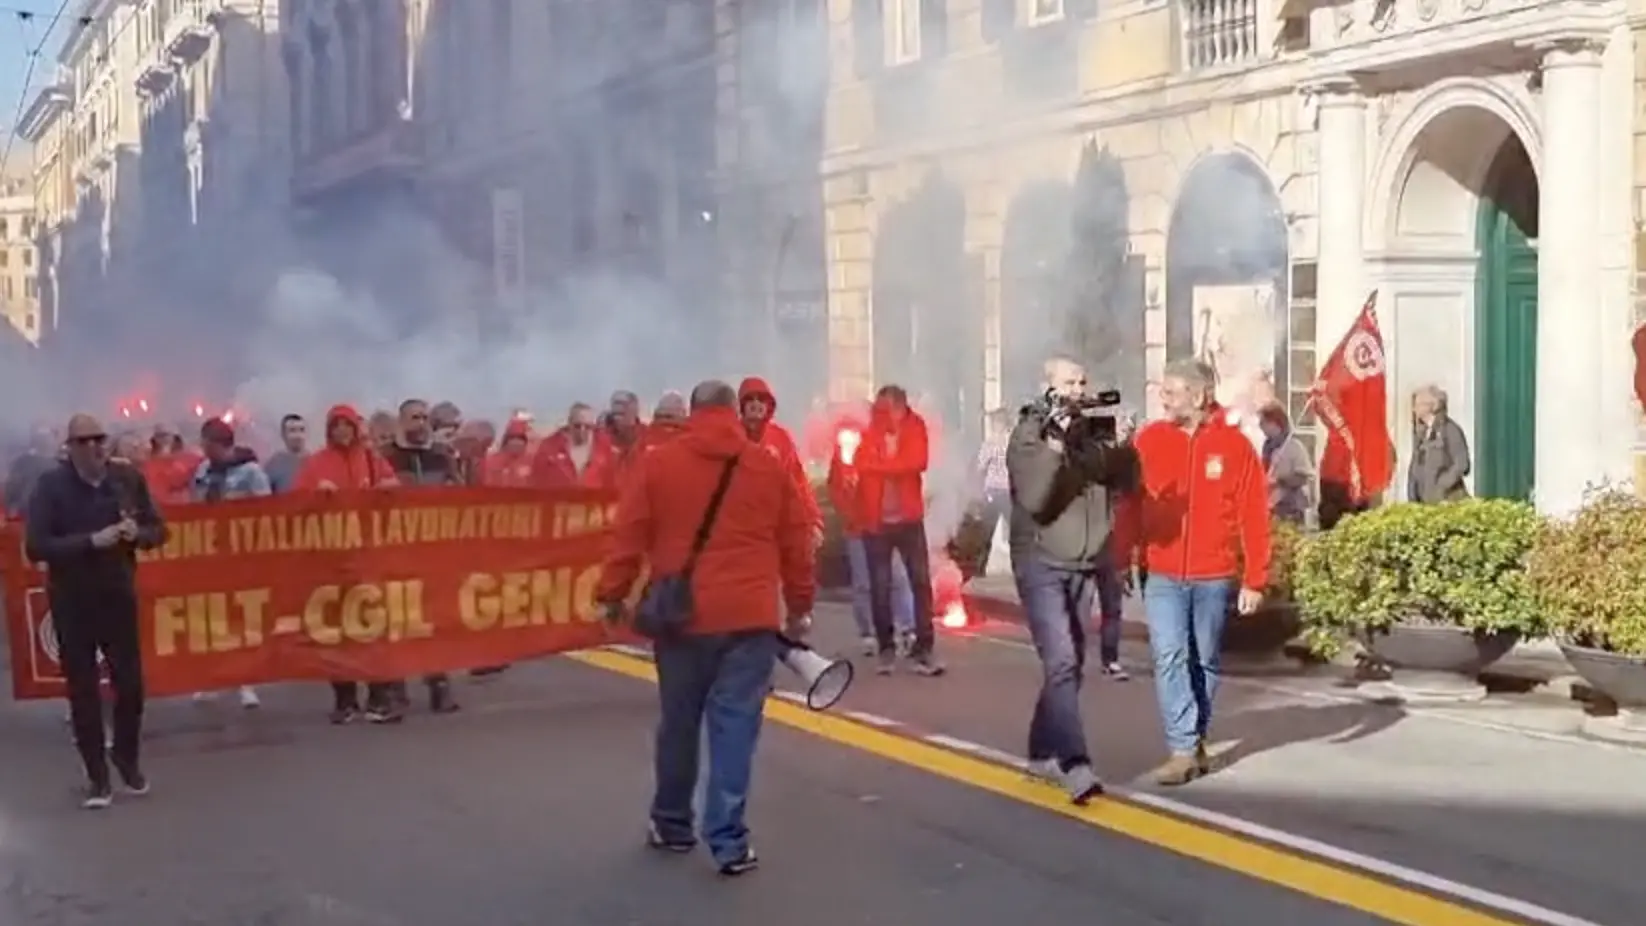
(1203, 502)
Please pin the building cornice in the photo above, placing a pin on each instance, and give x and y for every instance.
(74, 44)
(1522, 27)
(49, 103)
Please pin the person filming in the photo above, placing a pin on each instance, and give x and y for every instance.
(1061, 461)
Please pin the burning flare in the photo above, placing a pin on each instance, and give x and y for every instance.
(848, 440)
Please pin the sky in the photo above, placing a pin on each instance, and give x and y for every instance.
(17, 38)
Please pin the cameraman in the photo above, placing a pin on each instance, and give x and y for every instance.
(1059, 464)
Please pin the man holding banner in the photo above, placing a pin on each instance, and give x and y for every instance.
(86, 521)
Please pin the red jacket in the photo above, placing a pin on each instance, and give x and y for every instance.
(659, 433)
(354, 465)
(777, 441)
(553, 467)
(900, 471)
(507, 468)
(1202, 494)
(170, 476)
(759, 550)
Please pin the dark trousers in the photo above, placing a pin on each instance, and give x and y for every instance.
(106, 625)
(721, 681)
(908, 540)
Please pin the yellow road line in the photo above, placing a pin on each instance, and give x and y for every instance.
(1254, 859)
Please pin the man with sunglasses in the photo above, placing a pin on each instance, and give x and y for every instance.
(86, 521)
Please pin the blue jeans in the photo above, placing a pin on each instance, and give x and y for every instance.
(862, 603)
(722, 678)
(1057, 603)
(1186, 618)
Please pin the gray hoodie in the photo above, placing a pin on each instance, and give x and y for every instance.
(1057, 515)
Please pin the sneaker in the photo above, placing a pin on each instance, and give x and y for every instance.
(1081, 784)
(886, 662)
(384, 714)
(1044, 770)
(249, 699)
(871, 647)
(905, 643)
(98, 797)
(926, 664)
(343, 714)
(1113, 669)
(1180, 769)
(134, 781)
(741, 865)
(656, 841)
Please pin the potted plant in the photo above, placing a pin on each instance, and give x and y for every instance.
(1426, 589)
(1275, 623)
(1586, 575)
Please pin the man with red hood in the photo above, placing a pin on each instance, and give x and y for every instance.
(170, 466)
(758, 405)
(579, 454)
(346, 463)
(510, 466)
(888, 479)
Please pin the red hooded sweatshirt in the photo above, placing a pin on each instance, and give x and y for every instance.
(777, 441)
(554, 468)
(1204, 500)
(891, 470)
(510, 466)
(759, 550)
(170, 475)
(352, 464)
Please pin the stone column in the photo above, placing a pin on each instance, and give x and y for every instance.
(1341, 184)
(1570, 387)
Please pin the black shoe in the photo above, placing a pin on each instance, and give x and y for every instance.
(384, 714)
(741, 865)
(441, 700)
(135, 782)
(98, 796)
(678, 846)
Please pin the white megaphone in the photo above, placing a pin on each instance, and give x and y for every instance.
(826, 679)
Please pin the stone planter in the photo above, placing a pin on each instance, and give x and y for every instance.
(1621, 680)
(1438, 664)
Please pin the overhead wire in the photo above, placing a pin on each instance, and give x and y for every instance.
(28, 72)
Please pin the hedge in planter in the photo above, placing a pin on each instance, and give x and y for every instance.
(1588, 574)
(1460, 564)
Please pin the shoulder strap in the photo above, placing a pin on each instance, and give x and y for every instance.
(709, 515)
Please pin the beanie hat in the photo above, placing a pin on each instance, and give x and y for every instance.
(217, 431)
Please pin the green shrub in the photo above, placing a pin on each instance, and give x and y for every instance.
(1284, 540)
(1588, 574)
(1460, 564)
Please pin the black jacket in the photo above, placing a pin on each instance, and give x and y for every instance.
(63, 514)
(434, 465)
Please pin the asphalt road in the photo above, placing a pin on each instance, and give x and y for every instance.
(528, 807)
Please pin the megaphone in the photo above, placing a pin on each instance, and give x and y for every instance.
(826, 679)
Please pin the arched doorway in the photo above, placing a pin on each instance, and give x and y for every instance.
(927, 312)
(1468, 199)
(1105, 278)
(1034, 258)
(1226, 273)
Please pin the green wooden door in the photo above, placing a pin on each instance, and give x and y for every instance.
(1504, 441)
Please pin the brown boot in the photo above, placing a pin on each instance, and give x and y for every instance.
(1202, 759)
(1180, 769)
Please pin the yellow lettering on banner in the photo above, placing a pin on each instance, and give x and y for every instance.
(303, 533)
(209, 622)
(315, 614)
(521, 599)
(185, 540)
(364, 618)
(401, 526)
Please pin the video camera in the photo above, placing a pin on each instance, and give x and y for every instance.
(1087, 419)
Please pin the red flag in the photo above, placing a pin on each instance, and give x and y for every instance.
(1350, 398)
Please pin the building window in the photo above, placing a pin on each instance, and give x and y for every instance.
(28, 257)
(902, 31)
(1218, 32)
(1038, 12)
(29, 322)
(1303, 356)
(5, 258)
(31, 288)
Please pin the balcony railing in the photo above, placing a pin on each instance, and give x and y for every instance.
(188, 33)
(1219, 32)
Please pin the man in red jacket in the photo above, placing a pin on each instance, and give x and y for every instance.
(758, 406)
(579, 454)
(887, 477)
(1202, 508)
